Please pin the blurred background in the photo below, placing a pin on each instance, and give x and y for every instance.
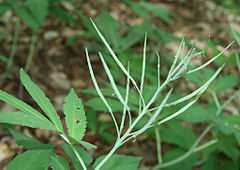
(47, 38)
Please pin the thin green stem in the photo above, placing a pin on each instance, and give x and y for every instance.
(31, 52)
(238, 61)
(14, 46)
(215, 99)
(187, 154)
(28, 62)
(115, 147)
(75, 151)
(143, 72)
(158, 143)
(205, 145)
(227, 102)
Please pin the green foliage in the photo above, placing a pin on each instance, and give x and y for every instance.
(39, 96)
(140, 107)
(186, 164)
(75, 120)
(75, 116)
(87, 159)
(33, 12)
(118, 162)
(226, 82)
(33, 159)
(143, 9)
(59, 162)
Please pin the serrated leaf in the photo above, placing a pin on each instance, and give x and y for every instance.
(119, 162)
(24, 119)
(39, 96)
(75, 116)
(7, 98)
(87, 159)
(27, 142)
(59, 163)
(33, 12)
(38, 159)
(226, 82)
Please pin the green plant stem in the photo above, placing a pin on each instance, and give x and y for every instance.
(14, 45)
(158, 143)
(29, 61)
(238, 61)
(31, 52)
(75, 151)
(215, 99)
(122, 140)
(207, 129)
(206, 145)
(190, 151)
(227, 102)
(115, 147)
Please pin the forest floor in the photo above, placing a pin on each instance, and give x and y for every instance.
(56, 68)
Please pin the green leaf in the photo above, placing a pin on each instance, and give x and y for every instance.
(92, 120)
(39, 96)
(97, 105)
(87, 159)
(4, 58)
(119, 162)
(33, 12)
(229, 125)
(226, 82)
(7, 98)
(75, 116)
(212, 163)
(109, 27)
(4, 7)
(62, 14)
(186, 164)
(158, 11)
(24, 119)
(27, 142)
(137, 9)
(38, 159)
(59, 163)
(230, 165)
(87, 145)
(104, 133)
(196, 114)
(177, 134)
(230, 150)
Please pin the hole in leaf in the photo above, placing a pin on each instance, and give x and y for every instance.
(78, 121)
(78, 108)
